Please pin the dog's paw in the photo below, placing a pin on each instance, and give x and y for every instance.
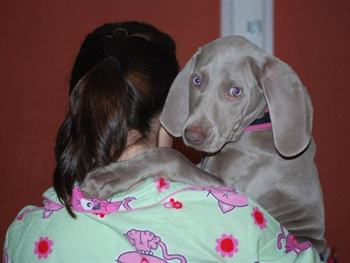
(97, 184)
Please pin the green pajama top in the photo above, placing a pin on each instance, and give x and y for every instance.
(157, 222)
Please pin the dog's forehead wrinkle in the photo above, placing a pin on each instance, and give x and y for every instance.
(230, 73)
(233, 48)
(217, 55)
(204, 64)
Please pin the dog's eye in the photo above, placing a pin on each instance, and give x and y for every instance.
(86, 204)
(235, 92)
(197, 81)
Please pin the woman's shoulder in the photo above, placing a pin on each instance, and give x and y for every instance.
(33, 218)
(229, 204)
(50, 205)
(217, 206)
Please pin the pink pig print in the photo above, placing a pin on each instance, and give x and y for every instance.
(291, 243)
(81, 203)
(145, 242)
(5, 258)
(228, 198)
(50, 207)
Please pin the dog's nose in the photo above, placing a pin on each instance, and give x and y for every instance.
(195, 136)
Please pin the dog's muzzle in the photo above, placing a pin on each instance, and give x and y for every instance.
(195, 136)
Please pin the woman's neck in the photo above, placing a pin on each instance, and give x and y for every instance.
(134, 150)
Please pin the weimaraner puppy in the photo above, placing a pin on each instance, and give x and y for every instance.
(252, 117)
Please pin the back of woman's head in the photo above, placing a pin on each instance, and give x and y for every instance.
(119, 82)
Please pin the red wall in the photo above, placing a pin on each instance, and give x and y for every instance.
(38, 44)
(313, 37)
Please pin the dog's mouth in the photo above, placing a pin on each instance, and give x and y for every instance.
(216, 139)
(209, 141)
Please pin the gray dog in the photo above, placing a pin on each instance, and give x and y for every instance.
(221, 103)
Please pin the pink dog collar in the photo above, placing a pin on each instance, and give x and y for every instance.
(259, 124)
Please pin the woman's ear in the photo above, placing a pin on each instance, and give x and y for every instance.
(164, 138)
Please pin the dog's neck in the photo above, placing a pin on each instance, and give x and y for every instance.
(262, 123)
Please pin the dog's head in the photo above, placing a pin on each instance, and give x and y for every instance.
(225, 86)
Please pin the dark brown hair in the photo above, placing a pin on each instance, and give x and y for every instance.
(119, 82)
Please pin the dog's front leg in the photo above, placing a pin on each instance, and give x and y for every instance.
(117, 177)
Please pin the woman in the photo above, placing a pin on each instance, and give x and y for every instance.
(118, 86)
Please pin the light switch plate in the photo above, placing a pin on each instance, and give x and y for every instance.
(252, 19)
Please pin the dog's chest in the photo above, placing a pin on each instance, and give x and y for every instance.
(252, 163)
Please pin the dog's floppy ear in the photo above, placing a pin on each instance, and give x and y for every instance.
(290, 107)
(176, 108)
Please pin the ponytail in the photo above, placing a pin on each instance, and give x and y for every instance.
(94, 131)
(119, 83)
